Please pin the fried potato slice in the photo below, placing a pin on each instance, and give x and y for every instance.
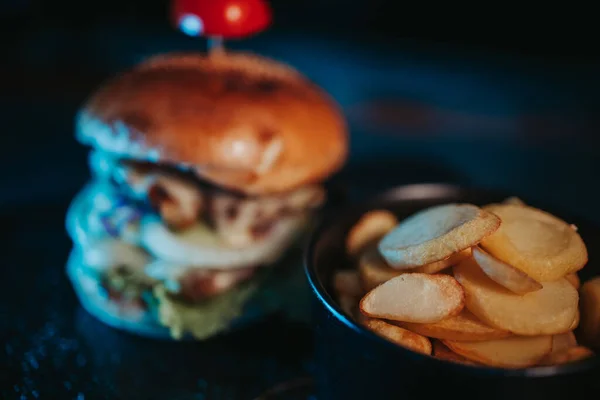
(400, 336)
(543, 246)
(563, 342)
(503, 274)
(348, 283)
(371, 227)
(590, 312)
(420, 298)
(512, 352)
(441, 351)
(436, 233)
(560, 344)
(462, 327)
(574, 280)
(373, 270)
(438, 266)
(548, 311)
(571, 354)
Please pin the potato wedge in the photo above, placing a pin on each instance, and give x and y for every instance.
(462, 327)
(371, 227)
(441, 351)
(373, 270)
(348, 283)
(574, 280)
(548, 311)
(512, 352)
(503, 274)
(571, 354)
(543, 246)
(421, 298)
(399, 336)
(589, 327)
(436, 233)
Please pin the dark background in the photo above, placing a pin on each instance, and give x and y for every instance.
(490, 95)
(486, 94)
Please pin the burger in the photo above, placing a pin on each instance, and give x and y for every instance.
(205, 170)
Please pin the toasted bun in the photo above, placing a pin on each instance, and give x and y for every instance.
(241, 121)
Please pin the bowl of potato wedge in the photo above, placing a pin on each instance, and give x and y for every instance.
(436, 288)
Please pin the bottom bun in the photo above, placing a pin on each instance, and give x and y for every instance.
(146, 322)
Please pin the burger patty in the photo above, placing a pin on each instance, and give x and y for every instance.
(181, 199)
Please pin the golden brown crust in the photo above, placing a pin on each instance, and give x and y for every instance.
(464, 327)
(242, 121)
(511, 352)
(441, 351)
(400, 336)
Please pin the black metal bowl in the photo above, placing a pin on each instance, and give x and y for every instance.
(354, 363)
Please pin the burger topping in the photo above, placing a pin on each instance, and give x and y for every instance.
(121, 220)
(238, 220)
(107, 253)
(204, 318)
(117, 287)
(127, 283)
(201, 247)
(197, 284)
(177, 200)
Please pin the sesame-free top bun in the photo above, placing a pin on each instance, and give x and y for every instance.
(241, 121)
